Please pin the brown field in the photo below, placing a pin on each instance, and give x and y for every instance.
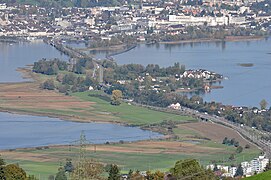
(29, 156)
(215, 132)
(158, 147)
(144, 147)
(29, 98)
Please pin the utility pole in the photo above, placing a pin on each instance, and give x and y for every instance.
(79, 171)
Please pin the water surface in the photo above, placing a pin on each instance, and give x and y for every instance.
(246, 86)
(17, 55)
(20, 131)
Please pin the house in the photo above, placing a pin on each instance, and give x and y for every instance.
(90, 88)
(176, 106)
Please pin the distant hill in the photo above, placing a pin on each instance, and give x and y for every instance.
(68, 3)
(262, 176)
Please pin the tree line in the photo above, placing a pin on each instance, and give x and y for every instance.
(91, 169)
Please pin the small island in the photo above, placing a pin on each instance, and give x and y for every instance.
(246, 64)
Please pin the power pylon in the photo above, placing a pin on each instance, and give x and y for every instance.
(81, 162)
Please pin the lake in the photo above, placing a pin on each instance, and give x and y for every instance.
(246, 86)
(19, 131)
(17, 55)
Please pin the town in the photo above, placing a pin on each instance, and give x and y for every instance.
(148, 20)
(137, 119)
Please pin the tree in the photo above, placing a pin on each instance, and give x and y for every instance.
(69, 79)
(89, 169)
(130, 174)
(247, 146)
(61, 174)
(14, 172)
(137, 176)
(263, 104)
(2, 163)
(48, 84)
(186, 167)
(114, 172)
(225, 141)
(239, 149)
(190, 167)
(231, 157)
(68, 166)
(158, 175)
(268, 166)
(239, 171)
(116, 97)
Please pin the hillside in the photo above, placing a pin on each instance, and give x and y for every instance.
(261, 176)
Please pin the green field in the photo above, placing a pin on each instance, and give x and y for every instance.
(261, 176)
(55, 156)
(129, 113)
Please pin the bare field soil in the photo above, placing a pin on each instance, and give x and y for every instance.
(158, 147)
(29, 156)
(215, 132)
(142, 147)
(29, 98)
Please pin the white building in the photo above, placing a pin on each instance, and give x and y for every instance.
(175, 106)
(258, 164)
(191, 20)
(249, 168)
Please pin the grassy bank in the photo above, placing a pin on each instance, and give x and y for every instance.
(261, 176)
(130, 114)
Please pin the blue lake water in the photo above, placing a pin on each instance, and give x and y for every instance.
(17, 55)
(19, 131)
(246, 86)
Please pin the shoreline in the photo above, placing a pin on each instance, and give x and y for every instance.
(120, 48)
(227, 39)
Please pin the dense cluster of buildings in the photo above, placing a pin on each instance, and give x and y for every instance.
(256, 165)
(152, 16)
